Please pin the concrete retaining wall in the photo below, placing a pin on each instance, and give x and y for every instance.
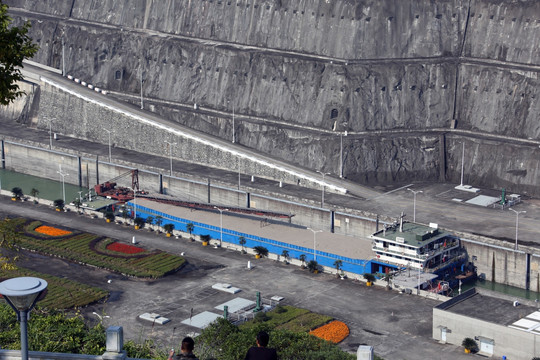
(321, 68)
(499, 262)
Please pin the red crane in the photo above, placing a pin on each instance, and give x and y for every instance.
(123, 194)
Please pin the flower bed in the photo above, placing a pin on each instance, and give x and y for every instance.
(124, 248)
(335, 331)
(92, 249)
(51, 231)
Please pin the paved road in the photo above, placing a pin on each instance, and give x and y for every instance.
(398, 326)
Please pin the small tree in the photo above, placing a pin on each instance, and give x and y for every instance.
(369, 277)
(302, 258)
(469, 344)
(313, 265)
(139, 221)
(150, 221)
(125, 215)
(242, 242)
(59, 204)
(190, 227)
(205, 238)
(169, 228)
(77, 202)
(34, 192)
(109, 215)
(285, 255)
(338, 264)
(17, 193)
(261, 251)
(387, 277)
(158, 221)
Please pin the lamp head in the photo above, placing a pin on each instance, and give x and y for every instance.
(22, 293)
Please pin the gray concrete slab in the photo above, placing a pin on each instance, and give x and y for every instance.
(491, 309)
(202, 320)
(483, 200)
(237, 304)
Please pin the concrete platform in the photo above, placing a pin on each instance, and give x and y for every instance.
(483, 200)
(154, 318)
(226, 288)
(202, 320)
(467, 188)
(238, 304)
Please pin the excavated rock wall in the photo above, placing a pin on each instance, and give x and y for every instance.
(394, 74)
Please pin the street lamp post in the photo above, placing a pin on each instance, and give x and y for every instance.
(109, 132)
(341, 153)
(314, 242)
(141, 73)
(220, 223)
(414, 202)
(134, 204)
(50, 135)
(517, 225)
(170, 153)
(233, 129)
(21, 294)
(62, 174)
(63, 56)
(322, 196)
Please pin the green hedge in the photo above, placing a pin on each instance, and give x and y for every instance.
(61, 293)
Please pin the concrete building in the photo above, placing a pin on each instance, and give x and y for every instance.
(502, 325)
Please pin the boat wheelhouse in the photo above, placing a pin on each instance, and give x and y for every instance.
(416, 246)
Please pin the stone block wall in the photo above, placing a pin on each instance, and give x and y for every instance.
(394, 74)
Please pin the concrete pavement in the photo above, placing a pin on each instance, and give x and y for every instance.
(397, 325)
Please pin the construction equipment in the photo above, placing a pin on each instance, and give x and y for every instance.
(123, 194)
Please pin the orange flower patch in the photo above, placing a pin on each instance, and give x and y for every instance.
(51, 231)
(335, 331)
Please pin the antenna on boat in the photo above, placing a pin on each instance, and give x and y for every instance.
(401, 221)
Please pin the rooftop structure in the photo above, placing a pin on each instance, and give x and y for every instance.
(415, 245)
(496, 321)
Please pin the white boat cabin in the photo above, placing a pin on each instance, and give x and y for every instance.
(415, 246)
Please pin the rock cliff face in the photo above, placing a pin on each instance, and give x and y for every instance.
(409, 80)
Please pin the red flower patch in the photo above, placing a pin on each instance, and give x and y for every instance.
(124, 248)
